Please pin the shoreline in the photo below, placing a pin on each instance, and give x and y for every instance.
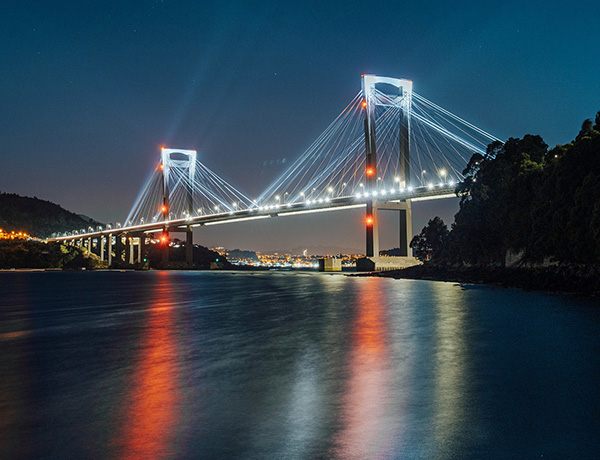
(561, 279)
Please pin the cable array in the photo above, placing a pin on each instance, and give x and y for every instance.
(441, 145)
(188, 196)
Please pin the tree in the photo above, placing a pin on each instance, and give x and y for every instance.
(430, 241)
(586, 129)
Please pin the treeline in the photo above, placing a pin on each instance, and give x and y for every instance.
(37, 217)
(522, 203)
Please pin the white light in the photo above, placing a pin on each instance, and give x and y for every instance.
(430, 186)
(327, 200)
(330, 189)
(260, 208)
(441, 184)
(359, 195)
(375, 193)
(402, 189)
(383, 192)
(410, 188)
(396, 179)
(228, 221)
(320, 200)
(451, 183)
(289, 205)
(391, 190)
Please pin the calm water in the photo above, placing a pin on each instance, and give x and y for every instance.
(184, 365)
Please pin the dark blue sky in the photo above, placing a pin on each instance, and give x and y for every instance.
(90, 90)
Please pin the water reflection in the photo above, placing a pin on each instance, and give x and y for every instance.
(152, 407)
(14, 382)
(451, 376)
(368, 421)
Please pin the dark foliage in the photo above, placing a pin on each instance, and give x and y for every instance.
(523, 199)
(202, 257)
(35, 254)
(38, 217)
(428, 244)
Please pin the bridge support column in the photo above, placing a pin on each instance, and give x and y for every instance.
(165, 248)
(141, 248)
(372, 224)
(102, 245)
(405, 230)
(130, 250)
(109, 239)
(189, 246)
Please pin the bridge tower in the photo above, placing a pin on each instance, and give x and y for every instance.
(401, 95)
(184, 160)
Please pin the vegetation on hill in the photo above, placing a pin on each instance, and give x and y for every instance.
(35, 254)
(524, 204)
(37, 217)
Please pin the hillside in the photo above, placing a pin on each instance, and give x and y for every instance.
(37, 217)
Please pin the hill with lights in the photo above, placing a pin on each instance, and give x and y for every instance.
(38, 218)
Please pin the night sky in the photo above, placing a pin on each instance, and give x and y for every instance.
(90, 90)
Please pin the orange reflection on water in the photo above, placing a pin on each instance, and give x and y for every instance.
(151, 411)
(366, 425)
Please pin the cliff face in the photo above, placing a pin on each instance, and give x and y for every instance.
(37, 217)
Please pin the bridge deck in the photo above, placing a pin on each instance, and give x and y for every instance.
(347, 202)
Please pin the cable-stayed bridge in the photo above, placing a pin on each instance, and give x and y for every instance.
(387, 148)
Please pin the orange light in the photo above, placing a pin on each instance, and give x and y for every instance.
(364, 104)
(160, 166)
(370, 171)
(164, 209)
(369, 221)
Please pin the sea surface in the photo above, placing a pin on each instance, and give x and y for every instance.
(292, 365)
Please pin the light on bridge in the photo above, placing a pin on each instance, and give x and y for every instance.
(370, 171)
(364, 104)
(164, 209)
(369, 221)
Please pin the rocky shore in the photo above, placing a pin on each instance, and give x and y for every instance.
(557, 278)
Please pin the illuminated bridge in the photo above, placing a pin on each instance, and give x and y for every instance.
(388, 148)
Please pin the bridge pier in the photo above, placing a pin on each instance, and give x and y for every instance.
(165, 248)
(102, 244)
(130, 249)
(189, 246)
(141, 248)
(404, 209)
(372, 223)
(109, 239)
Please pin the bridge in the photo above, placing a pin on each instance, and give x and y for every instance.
(388, 148)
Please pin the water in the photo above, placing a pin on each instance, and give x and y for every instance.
(205, 365)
